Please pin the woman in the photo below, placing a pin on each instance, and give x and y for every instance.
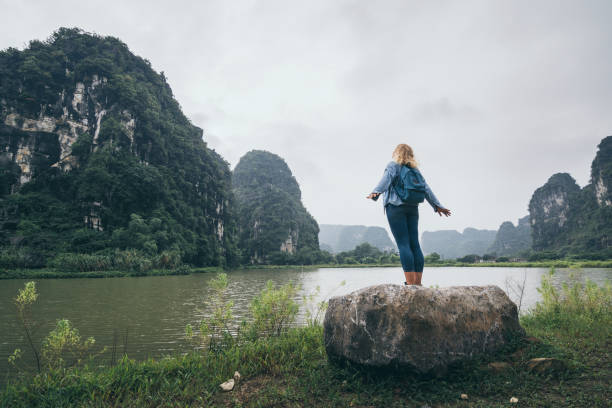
(404, 218)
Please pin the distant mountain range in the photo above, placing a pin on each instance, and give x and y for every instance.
(453, 244)
(339, 238)
(508, 240)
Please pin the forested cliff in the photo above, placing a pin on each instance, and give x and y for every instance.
(97, 155)
(511, 240)
(568, 220)
(274, 226)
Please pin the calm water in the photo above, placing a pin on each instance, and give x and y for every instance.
(153, 311)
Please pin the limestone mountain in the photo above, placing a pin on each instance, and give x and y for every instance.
(568, 220)
(274, 227)
(511, 240)
(97, 154)
(601, 174)
(339, 238)
(453, 244)
(550, 209)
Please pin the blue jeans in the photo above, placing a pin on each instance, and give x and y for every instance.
(404, 222)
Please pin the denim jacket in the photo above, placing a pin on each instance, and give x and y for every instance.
(389, 194)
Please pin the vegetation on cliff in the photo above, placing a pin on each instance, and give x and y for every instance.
(273, 225)
(569, 221)
(98, 157)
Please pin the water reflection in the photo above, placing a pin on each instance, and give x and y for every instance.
(154, 311)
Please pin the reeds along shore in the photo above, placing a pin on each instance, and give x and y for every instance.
(58, 273)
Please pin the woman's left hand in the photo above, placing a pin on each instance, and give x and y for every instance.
(373, 196)
(444, 211)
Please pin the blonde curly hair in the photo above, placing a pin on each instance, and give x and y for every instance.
(404, 155)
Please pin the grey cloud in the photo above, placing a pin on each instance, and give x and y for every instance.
(443, 109)
(494, 96)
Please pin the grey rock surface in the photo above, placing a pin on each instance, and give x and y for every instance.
(420, 328)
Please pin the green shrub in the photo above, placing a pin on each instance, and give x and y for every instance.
(576, 307)
(432, 258)
(63, 346)
(214, 333)
(132, 260)
(274, 309)
(12, 258)
(586, 299)
(82, 262)
(472, 258)
(316, 310)
(26, 297)
(168, 260)
(182, 270)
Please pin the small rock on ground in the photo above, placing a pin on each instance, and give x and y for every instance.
(545, 365)
(228, 385)
(498, 366)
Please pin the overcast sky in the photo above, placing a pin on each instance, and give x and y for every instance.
(494, 96)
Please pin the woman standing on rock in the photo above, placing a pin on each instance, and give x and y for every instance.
(403, 188)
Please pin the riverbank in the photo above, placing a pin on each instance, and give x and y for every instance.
(535, 264)
(51, 273)
(573, 326)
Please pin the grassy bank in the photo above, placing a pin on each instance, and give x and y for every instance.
(560, 263)
(52, 273)
(573, 325)
(535, 264)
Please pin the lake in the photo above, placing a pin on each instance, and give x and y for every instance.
(153, 311)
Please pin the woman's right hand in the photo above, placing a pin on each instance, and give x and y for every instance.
(444, 211)
(373, 196)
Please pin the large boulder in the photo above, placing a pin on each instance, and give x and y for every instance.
(420, 328)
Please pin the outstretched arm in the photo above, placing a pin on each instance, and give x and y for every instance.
(433, 201)
(383, 184)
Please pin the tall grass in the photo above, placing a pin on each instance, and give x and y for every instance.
(14, 258)
(576, 318)
(123, 260)
(189, 380)
(574, 306)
